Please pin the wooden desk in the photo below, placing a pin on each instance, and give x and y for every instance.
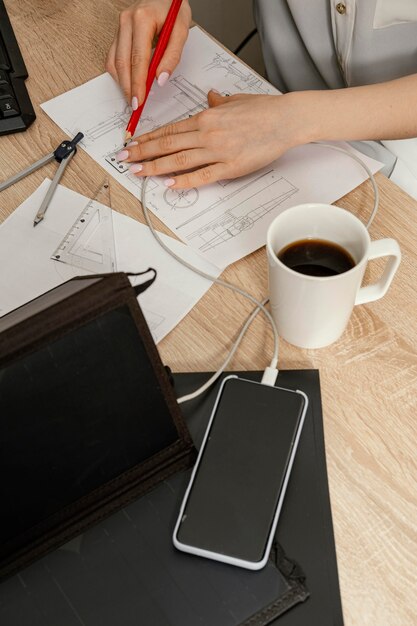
(369, 377)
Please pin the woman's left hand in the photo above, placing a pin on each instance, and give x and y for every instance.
(236, 135)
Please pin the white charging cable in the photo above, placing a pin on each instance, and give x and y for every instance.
(367, 170)
(271, 372)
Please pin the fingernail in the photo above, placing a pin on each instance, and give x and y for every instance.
(132, 143)
(122, 156)
(135, 103)
(135, 168)
(163, 78)
(169, 182)
(215, 91)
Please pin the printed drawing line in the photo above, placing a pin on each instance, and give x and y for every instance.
(245, 79)
(242, 216)
(181, 198)
(116, 121)
(219, 202)
(189, 96)
(153, 319)
(122, 168)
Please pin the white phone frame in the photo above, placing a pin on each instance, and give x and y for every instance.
(231, 560)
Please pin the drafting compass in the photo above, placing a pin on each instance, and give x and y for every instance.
(63, 155)
(89, 243)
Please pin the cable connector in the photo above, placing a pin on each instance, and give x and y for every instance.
(269, 376)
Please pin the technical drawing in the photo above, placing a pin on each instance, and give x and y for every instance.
(138, 181)
(242, 216)
(244, 79)
(189, 97)
(123, 168)
(118, 120)
(118, 165)
(258, 181)
(153, 319)
(218, 212)
(181, 198)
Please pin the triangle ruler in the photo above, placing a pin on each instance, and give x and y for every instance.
(89, 243)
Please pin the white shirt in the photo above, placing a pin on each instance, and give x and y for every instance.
(319, 44)
(313, 44)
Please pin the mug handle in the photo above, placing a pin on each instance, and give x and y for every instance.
(380, 248)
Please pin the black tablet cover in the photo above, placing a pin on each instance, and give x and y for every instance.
(125, 570)
(88, 417)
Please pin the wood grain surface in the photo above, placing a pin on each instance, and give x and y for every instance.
(368, 378)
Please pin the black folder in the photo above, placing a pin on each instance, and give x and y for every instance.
(125, 571)
(305, 528)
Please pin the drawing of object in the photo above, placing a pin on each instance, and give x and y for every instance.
(153, 319)
(118, 120)
(242, 216)
(259, 182)
(181, 198)
(245, 79)
(189, 95)
(191, 98)
(119, 166)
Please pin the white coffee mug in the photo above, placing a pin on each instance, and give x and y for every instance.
(313, 311)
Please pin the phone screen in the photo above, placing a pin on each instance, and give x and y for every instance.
(233, 500)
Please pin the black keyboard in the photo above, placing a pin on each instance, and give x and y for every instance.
(16, 110)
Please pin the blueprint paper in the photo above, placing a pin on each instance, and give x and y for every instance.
(228, 219)
(28, 271)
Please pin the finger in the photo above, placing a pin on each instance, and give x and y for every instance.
(184, 126)
(143, 33)
(172, 53)
(110, 66)
(214, 98)
(162, 146)
(180, 161)
(123, 54)
(203, 176)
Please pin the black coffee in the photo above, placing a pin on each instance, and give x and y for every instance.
(316, 257)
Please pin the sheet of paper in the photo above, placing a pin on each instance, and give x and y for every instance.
(226, 220)
(27, 269)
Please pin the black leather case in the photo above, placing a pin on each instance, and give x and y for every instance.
(89, 420)
(125, 569)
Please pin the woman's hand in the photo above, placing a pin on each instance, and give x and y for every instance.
(130, 53)
(235, 136)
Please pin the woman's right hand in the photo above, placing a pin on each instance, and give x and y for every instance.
(130, 53)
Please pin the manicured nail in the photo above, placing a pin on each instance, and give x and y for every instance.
(132, 143)
(169, 182)
(122, 156)
(135, 103)
(163, 78)
(135, 168)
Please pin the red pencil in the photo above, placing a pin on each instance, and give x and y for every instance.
(156, 59)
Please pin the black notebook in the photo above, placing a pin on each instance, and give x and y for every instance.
(305, 528)
(125, 571)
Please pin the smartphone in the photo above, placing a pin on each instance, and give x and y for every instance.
(233, 500)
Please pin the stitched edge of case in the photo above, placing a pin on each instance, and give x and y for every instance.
(296, 593)
(116, 292)
(91, 518)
